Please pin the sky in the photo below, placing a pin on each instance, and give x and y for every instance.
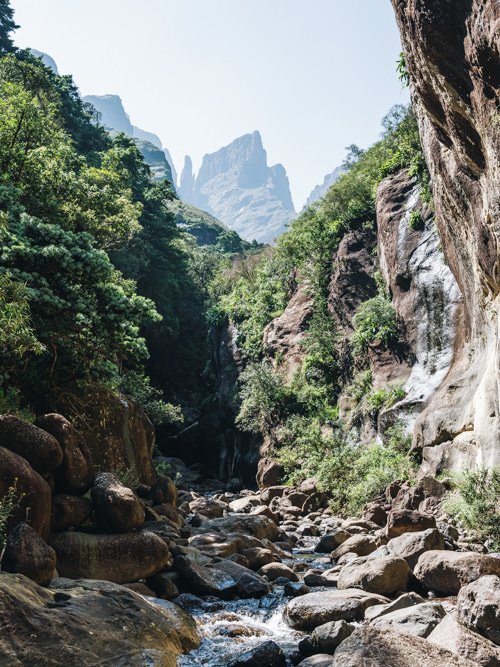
(313, 76)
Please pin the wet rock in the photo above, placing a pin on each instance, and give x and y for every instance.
(479, 607)
(411, 546)
(32, 493)
(275, 570)
(268, 653)
(469, 646)
(385, 575)
(269, 473)
(116, 507)
(249, 584)
(308, 611)
(75, 474)
(381, 648)
(325, 638)
(26, 553)
(163, 586)
(418, 620)
(293, 589)
(40, 449)
(445, 572)
(68, 512)
(331, 541)
(406, 521)
(117, 558)
(402, 602)
(203, 580)
(361, 545)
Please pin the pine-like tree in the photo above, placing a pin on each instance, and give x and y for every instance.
(7, 25)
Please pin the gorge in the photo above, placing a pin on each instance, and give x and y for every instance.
(235, 435)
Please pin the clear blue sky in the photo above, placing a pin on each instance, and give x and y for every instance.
(312, 75)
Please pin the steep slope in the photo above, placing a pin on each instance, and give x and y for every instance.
(320, 190)
(115, 118)
(237, 186)
(452, 56)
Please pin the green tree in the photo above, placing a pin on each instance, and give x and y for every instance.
(7, 25)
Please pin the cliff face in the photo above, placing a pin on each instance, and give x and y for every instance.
(452, 55)
(321, 190)
(236, 185)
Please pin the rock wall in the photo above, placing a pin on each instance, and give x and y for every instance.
(452, 55)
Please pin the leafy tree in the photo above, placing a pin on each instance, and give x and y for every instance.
(7, 25)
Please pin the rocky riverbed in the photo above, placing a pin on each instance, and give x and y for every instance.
(98, 568)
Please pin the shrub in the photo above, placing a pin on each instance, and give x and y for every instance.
(137, 387)
(416, 222)
(375, 320)
(475, 502)
(7, 505)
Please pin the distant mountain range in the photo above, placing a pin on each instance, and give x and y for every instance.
(320, 190)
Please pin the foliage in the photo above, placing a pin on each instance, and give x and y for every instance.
(402, 70)
(416, 221)
(475, 502)
(7, 25)
(128, 477)
(8, 504)
(374, 322)
(138, 387)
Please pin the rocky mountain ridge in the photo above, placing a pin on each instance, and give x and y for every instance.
(236, 185)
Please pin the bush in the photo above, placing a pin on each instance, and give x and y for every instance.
(416, 222)
(375, 320)
(7, 505)
(137, 387)
(475, 502)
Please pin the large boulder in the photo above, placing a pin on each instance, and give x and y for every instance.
(384, 648)
(116, 507)
(408, 521)
(479, 607)
(384, 575)
(308, 611)
(203, 580)
(39, 448)
(275, 571)
(26, 553)
(249, 584)
(75, 474)
(330, 541)
(361, 545)
(402, 602)
(269, 473)
(32, 493)
(258, 526)
(455, 637)
(418, 620)
(327, 637)
(411, 546)
(82, 623)
(445, 572)
(68, 512)
(117, 558)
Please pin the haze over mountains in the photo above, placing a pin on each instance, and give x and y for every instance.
(234, 184)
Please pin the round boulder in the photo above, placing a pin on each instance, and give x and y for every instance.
(39, 448)
(26, 553)
(384, 575)
(69, 512)
(445, 572)
(116, 507)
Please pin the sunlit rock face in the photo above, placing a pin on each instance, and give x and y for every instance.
(320, 190)
(452, 56)
(236, 185)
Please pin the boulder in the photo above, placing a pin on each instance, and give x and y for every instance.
(274, 571)
(384, 648)
(26, 553)
(468, 645)
(375, 512)
(204, 580)
(117, 558)
(325, 638)
(215, 544)
(331, 541)
(164, 491)
(445, 572)
(411, 546)
(258, 557)
(479, 607)
(260, 527)
(408, 521)
(271, 492)
(212, 509)
(75, 474)
(88, 622)
(39, 448)
(249, 584)
(318, 660)
(418, 620)
(269, 473)
(293, 589)
(268, 654)
(361, 545)
(402, 602)
(308, 611)
(68, 512)
(163, 586)
(245, 504)
(384, 575)
(116, 507)
(32, 493)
